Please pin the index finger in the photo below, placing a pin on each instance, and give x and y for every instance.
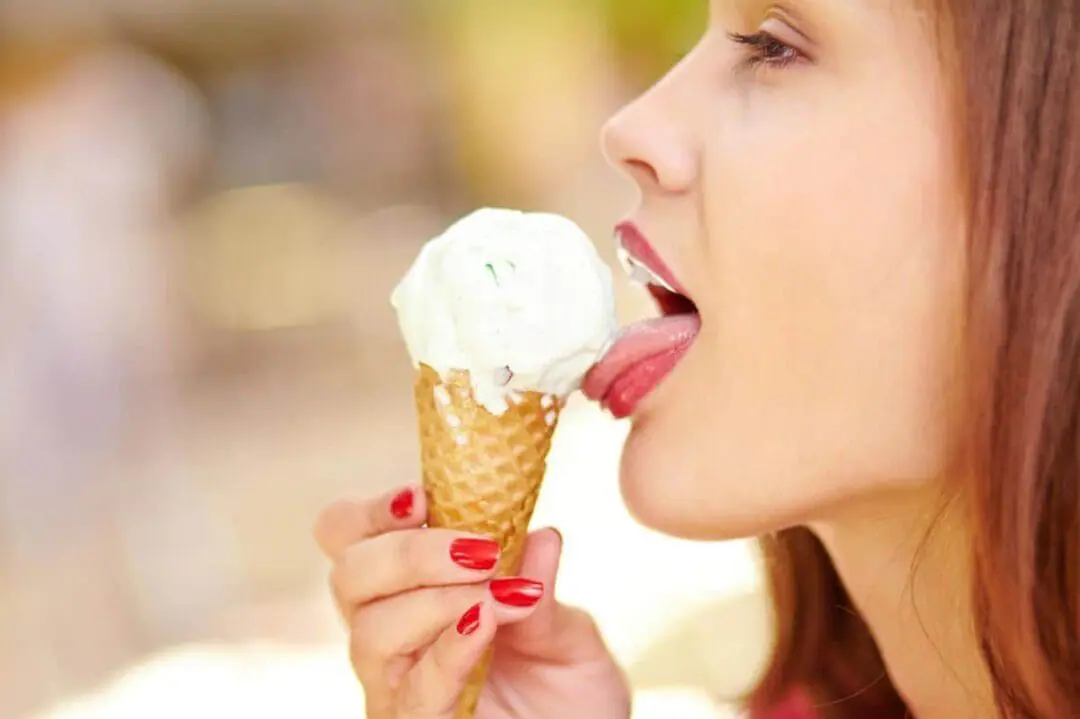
(352, 519)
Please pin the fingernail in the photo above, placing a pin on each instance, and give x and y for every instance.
(401, 506)
(470, 621)
(481, 554)
(517, 592)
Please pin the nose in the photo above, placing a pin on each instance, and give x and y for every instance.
(650, 139)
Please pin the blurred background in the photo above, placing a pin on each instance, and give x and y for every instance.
(204, 206)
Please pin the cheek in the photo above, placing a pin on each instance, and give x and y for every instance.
(830, 201)
(831, 326)
(832, 253)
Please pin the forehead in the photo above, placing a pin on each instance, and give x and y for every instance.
(901, 8)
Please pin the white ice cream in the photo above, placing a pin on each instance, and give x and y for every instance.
(521, 301)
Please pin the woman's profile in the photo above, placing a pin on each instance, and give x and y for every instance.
(870, 210)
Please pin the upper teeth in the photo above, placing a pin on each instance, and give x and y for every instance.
(637, 271)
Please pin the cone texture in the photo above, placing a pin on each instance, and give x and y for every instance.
(482, 472)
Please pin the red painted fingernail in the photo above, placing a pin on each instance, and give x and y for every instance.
(517, 592)
(401, 506)
(480, 554)
(470, 621)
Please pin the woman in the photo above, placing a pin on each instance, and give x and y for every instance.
(872, 206)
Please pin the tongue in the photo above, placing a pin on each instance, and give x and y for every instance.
(641, 357)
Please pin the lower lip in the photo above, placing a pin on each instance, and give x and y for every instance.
(621, 391)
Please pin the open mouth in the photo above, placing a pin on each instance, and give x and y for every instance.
(645, 352)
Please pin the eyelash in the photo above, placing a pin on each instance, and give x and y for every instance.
(766, 50)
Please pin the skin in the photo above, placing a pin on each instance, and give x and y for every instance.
(812, 210)
(402, 599)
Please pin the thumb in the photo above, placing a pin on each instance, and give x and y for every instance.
(554, 631)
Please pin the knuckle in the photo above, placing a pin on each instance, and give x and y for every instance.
(368, 647)
(365, 571)
(584, 622)
(451, 602)
(440, 608)
(340, 581)
(335, 593)
(351, 575)
(335, 579)
(342, 518)
(322, 531)
(411, 553)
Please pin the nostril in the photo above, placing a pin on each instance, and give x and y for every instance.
(641, 171)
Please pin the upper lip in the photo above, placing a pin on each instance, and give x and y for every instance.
(638, 249)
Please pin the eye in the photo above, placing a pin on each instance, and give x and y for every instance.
(765, 49)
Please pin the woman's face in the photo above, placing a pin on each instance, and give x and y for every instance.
(801, 184)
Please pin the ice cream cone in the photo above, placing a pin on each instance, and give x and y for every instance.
(524, 301)
(481, 471)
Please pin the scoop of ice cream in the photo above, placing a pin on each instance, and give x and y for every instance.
(521, 301)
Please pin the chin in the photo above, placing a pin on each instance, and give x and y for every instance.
(719, 476)
(669, 486)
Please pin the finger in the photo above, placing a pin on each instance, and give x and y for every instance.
(553, 630)
(351, 520)
(432, 688)
(401, 561)
(540, 559)
(408, 623)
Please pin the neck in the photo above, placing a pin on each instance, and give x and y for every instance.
(904, 561)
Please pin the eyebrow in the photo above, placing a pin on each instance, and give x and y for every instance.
(747, 9)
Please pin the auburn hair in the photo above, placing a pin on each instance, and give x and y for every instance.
(1018, 87)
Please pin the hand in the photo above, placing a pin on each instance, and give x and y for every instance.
(422, 607)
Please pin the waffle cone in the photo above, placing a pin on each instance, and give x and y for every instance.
(482, 472)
